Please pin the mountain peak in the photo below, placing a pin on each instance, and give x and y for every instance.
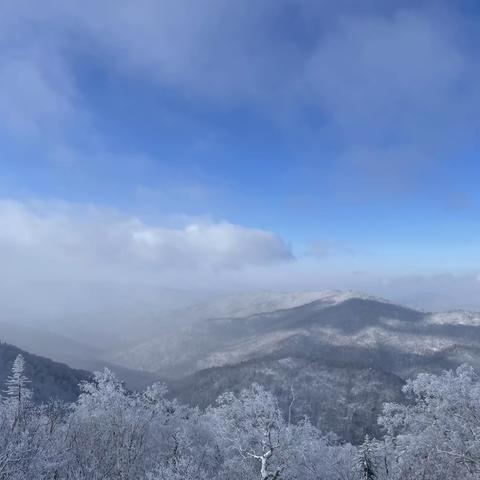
(248, 304)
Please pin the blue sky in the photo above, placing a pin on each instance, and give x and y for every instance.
(335, 141)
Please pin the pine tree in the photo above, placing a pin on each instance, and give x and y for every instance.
(17, 395)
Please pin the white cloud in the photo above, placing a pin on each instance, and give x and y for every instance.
(104, 241)
(78, 266)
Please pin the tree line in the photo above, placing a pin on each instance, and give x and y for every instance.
(110, 433)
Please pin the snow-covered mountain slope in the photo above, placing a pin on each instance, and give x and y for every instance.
(248, 304)
(344, 357)
(318, 322)
(455, 317)
(178, 339)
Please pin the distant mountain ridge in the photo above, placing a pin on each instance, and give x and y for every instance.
(323, 319)
(248, 304)
(345, 354)
(196, 329)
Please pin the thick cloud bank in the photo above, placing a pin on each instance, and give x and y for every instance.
(81, 237)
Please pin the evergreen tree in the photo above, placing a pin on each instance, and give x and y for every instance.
(18, 397)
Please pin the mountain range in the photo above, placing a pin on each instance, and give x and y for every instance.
(334, 356)
(346, 327)
(343, 354)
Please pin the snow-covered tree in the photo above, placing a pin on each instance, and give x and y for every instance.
(315, 456)
(367, 460)
(438, 434)
(111, 433)
(108, 431)
(27, 448)
(18, 396)
(258, 441)
(252, 427)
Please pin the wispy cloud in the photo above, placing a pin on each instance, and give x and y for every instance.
(328, 248)
(35, 105)
(382, 75)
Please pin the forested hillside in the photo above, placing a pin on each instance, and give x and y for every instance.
(110, 434)
(345, 354)
(335, 396)
(49, 379)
